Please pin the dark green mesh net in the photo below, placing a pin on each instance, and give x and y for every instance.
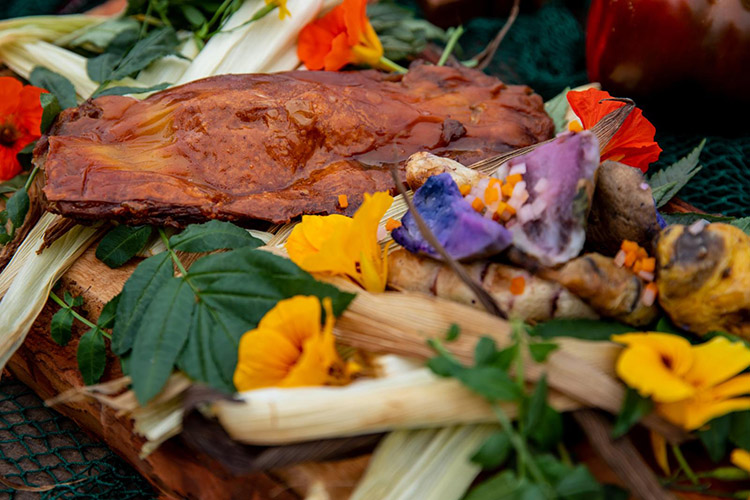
(545, 50)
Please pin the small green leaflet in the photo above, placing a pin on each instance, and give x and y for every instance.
(131, 90)
(542, 423)
(61, 327)
(213, 235)
(493, 452)
(14, 184)
(56, 84)
(586, 329)
(557, 108)
(687, 218)
(739, 431)
(505, 486)
(579, 484)
(50, 109)
(453, 332)
(667, 182)
(122, 243)
(400, 33)
(92, 356)
(634, 408)
(17, 207)
(715, 437)
(541, 350)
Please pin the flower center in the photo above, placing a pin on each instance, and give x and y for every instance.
(8, 134)
(667, 361)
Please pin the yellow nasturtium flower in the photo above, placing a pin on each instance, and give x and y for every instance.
(689, 384)
(281, 4)
(339, 245)
(741, 459)
(289, 348)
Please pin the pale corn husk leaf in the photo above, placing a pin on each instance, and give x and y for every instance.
(44, 28)
(430, 464)
(26, 281)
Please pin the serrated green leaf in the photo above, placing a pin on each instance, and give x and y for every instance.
(505, 486)
(536, 404)
(453, 332)
(97, 38)
(213, 235)
(548, 433)
(579, 484)
(123, 90)
(587, 329)
(493, 452)
(157, 44)
(743, 224)
(503, 359)
(667, 182)
(634, 408)
(688, 218)
(557, 108)
(61, 326)
(17, 207)
(122, 243)
(137, 293)
(109, 312)
(50, 109)
(56, 84)
(484, 351)
(92, 356)
(491, 383)
(716, 437)
(541, 350)
(161, 337)
(445, 367)
(101, 67)
(67, 297)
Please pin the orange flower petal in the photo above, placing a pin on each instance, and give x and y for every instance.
(340, 54)
(10, 96)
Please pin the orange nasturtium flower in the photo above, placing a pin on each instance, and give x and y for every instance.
(281, 4)
(20, 119)
(344, 246)
(289, 348)
(343, 36)
(633, 144)
(689, 384)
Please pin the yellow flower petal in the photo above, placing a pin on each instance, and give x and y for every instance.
(297, 318)
(694, 413)
(308, 237)
(716, 361)
(659, 447)
(677, 351)
(741, 459)
(643, 368)
(736, 386)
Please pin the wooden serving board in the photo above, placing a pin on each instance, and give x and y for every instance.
(175, 470)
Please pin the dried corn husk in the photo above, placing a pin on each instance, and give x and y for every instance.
(429, 464)
(44, 28)
(27, 280)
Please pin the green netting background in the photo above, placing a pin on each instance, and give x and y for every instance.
(545, 50)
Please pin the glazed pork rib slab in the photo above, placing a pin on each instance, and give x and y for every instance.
(272, 147)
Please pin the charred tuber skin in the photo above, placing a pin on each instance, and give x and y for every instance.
(704, 278)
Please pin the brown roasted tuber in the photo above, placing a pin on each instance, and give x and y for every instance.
(622, 209)
(704, 277)
(612, 291)
(540, 300)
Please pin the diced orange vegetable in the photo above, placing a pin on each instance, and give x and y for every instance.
(629, 258)
(575, 126)
(491, 195)
(343, 201)
(641, 253)
(517, 285)
(648, 264)
(477, 205)
(653, 287)
(392, 224)
(507, 190)
(637, 266)
(465, 189)
(513, 179)
(629, 246)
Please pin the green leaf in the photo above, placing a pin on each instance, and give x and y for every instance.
(237, 288)
(97, 38)
(109, 312)
(552, 468)
(743, 224)
(614, 492)
(123, 90)
(92, 356)
(716, 437)
(491, 383)
(157, 44)
(634, 408)
(485, 351)
(17, 207)
(687, 218)
(667, 182)
(549, 432)
(453, 332)
(739, 430)
(194, 16)
(61, 326)
(557, 108)
(665, 325)
(16, 183)
(160, 339)
(122, 243)
(503, 359)
(56, 84)
(541, 350)
(137, 293)
(213, 235)
(50, 109)
(445, 367)
(579, 484)
(536, 404)
(587, 329)
(101, 67)
(502, 486)
(25, 157)
(494, 452)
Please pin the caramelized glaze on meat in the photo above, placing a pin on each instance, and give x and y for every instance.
(272, 147)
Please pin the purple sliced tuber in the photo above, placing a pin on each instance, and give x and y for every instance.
(553, 227)
(463, 232)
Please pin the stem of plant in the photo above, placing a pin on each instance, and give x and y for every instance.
(392, 66)
(520, 446)
(684, 464)
(177, 262)
(450, 45)
(519, 376)
(61, 303)
(31, 178)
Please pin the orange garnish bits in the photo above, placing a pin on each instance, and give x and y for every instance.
(343, 201)
(517, 285)
(343, 36)
(20, 119)
(633, 144)
(392, 224)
